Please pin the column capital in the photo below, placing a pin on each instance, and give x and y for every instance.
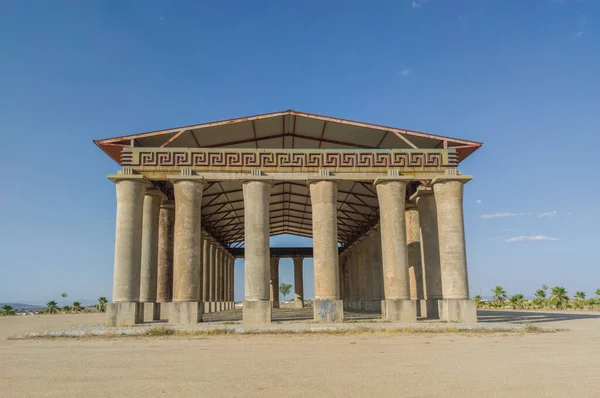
(168, 204)
(155, 192)
(122, 176)
(421, 191)
(444, 178)
(319, 178)
(384, 179)
(187, 177)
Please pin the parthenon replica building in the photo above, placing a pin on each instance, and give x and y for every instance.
(384, 207)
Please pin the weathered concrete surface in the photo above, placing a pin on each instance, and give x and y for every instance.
(206, 269)
(165, 309)
(257, 306)
(128, 239)
(391, 195)
(451, 233)
(185, 312)
(460, 311)
(298, 282)
(213, 268)
(257, 312)
(150, 227)
(399, 310)
(123, 314)
(150, 311)
(187, 258)
(274, 282)
(430, 251)
(415, 266)
(166, 225)
(323, 196)
(328, 311)
(376, 265)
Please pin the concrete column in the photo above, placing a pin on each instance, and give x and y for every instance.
(206, 272)
(257, 306)
(125, 308)
(430, 251)
(376, 269)
(397, 306)
(187, 254)
(455, 306)
(274, 282)
(327, 307)
(298, 282)
(213, 269)
(218, 275)
(415, 266)
(149, 264)
(166, 224)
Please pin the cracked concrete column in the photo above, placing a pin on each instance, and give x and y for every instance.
(206, 272)
(397, 306)
(298, 282)
(166, 225)
(257, 306)
(415, 266)
(125, 308)
(455, 305)
(186, 307)
(274, 282)
(327, 307)
(149, 264)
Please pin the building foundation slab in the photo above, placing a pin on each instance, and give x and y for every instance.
(150, 311)
(459, 311)
(185, 312)
(399, 310)
(328, 310)
(123, 314)
(256, 312)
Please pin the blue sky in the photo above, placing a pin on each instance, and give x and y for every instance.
(520, 76)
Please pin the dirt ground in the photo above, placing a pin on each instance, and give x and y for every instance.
(410, 365)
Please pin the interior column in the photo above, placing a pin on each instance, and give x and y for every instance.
(257, 306)
(397, 306)
(274, 282)
(298, 282)
(166, 225)
(327, 306)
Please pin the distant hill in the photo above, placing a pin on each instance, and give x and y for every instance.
(18, 306)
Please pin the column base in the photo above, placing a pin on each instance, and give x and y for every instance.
(255, 312)
(459, 311)
(185, 312)
(164, 310)
(298, 303)
(123, 314)
(206, 307)
(328, 310)
(399, 310)
(432, 308)
(151, 311)
(275, 304)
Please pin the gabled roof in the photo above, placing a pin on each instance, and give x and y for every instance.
(287, 130)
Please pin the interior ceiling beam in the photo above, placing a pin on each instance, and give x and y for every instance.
(406, 140)
(173, 138)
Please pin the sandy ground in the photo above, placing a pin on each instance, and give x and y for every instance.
(451, 365)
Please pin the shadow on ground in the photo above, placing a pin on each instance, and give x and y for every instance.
(495, 316)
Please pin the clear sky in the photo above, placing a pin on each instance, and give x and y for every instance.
(520, 76)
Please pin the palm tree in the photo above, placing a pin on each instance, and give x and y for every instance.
(76, 306)
(598, 293)
(477, 299)
(499, 294)
(559, 296)
(579, 295)
(67, 308)
(540, 297)
(516, 301)
(63, 295)
(101, 304)
(51, 307)
(7, 310)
